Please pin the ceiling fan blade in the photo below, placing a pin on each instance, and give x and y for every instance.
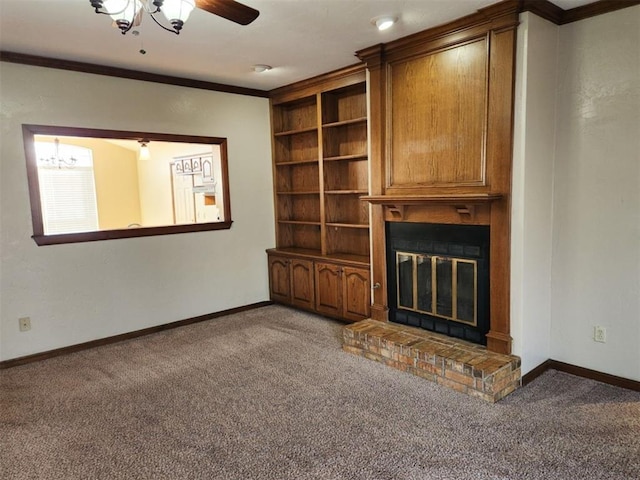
(229, 9)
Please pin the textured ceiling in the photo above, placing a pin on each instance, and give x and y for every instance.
(299, 38)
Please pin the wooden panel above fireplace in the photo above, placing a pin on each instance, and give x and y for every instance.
(438, 115)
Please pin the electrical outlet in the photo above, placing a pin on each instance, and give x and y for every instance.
(599, 334)
(25, 324)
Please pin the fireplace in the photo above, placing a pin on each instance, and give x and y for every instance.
(438, 278)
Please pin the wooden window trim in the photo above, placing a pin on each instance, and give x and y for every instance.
(28, 133)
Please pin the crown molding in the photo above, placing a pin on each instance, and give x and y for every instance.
(327, 81)
(596, 8)
(555, 14)
(61, 64)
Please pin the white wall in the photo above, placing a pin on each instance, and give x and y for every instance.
(532, 189)
(79, 292)
(576, 193)
(596, 224)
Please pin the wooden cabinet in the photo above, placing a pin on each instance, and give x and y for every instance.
(279, 279)
(356, 293)
(320, 171)
(291, 281)
(338, 290)
(328, 288)
(342, 291)
(302, 291)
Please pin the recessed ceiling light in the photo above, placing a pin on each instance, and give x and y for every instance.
(261, 68)
(384, 22)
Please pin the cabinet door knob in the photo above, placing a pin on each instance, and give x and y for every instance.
(376, 285)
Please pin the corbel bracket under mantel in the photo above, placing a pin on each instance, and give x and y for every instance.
(463, 203)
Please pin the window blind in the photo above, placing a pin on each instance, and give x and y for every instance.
(68, 195)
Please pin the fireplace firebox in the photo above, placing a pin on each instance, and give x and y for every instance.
(438, 278)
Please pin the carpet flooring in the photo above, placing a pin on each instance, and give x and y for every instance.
(269, 394)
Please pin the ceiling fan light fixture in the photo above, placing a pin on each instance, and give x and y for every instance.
(177, 11)
(128, 13)
(123, 12)
(384, 22)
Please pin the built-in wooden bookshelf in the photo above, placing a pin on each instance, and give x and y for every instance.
(297, 174)
(320, 152)
(345, 170)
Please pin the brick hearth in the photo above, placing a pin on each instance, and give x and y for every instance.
(462, 366)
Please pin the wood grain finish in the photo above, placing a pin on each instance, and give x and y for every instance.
(346, 209)
(356, 293)
(343, 77)
(328, 283)
(346, 176)
(295, 116)
(345, 139)
(279, 279)
(342, 291)
(231, 10)
(300, 178)
(343, 105)
(438, 113)
(320, 170)
(335, 286)
(499, 148)
(348, 239)
(291, 281)
(435, 213)
(302, 285)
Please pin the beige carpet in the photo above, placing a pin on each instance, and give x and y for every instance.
(268, 394)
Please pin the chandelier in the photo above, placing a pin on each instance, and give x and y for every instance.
(56, 160)
(128, 13)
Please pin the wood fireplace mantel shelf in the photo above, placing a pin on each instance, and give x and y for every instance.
(463, 203)
(448, 199)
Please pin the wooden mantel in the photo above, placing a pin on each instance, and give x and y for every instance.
(446, 199)
(430, 207)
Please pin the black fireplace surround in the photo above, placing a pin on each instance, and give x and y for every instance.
(438, 277)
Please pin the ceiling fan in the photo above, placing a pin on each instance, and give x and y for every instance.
(128, 13)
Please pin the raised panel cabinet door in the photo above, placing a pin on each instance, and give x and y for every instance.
(328, 289)
(356, 296)
(302, 291)
(279, 280)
